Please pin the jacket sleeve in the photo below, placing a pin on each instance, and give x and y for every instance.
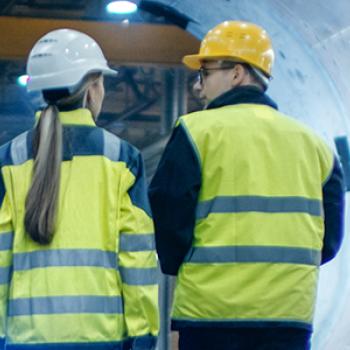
(333, 206)
(173, 195)
(6, 239)
(137, 257)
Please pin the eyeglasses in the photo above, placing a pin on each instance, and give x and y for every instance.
(203, 72)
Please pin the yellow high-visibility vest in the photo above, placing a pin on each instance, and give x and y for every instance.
(259, 223)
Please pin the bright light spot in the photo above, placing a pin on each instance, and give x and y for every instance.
(23, 80)
(125, 23)
(121, 7)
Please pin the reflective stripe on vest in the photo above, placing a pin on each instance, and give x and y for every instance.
(65, 305)
(254, 254)
(238, 204)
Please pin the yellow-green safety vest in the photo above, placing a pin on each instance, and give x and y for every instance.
(259, 223)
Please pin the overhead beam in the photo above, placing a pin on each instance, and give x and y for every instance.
(134, 43)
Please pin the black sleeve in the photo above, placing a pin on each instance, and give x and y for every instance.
(173, 195)
(333, 206)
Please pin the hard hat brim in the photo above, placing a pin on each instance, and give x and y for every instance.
(110, 72)
(195, 61)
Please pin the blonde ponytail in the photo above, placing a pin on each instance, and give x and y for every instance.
(42, 199)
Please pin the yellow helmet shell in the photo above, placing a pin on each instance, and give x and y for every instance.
(235, 41)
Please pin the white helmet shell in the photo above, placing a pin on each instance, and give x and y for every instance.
(62, 58)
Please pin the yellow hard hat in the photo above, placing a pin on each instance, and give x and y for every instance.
(235, 41)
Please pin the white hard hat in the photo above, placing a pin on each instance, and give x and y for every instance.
(62, 58)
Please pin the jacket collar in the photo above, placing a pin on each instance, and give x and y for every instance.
(242, 94)
(81, 116)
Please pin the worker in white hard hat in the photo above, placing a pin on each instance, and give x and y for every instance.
(247, 204)
(78, 265)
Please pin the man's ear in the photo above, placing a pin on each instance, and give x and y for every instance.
(239, 75)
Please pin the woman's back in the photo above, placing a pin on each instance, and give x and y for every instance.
(95, 283)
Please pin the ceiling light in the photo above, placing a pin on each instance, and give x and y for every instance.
(121, 7)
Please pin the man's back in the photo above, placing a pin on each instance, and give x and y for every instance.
(259, 227)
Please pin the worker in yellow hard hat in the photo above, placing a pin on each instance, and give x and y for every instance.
(222, 49)
(247, 204)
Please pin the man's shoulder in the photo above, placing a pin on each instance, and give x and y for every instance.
(318, 141)
(200, 118)
(301, 126)
(195, 115)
